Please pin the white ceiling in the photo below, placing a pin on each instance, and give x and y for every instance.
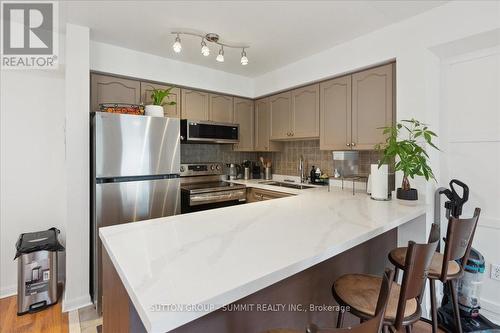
(278, 32)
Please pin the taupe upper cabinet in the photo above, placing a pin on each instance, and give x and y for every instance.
(109, 89)
(220, 108)
(280, 115)
(305, 112)
(335, 115)
(175, 96)
(194, 104)
(244, 116)
(262, 128)
(353, 108)
(372, 106)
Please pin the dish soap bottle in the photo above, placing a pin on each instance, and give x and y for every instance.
(318, 175)
(312, 174)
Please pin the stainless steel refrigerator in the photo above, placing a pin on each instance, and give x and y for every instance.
(135, 162)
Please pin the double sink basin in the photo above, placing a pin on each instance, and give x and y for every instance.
(287, 185)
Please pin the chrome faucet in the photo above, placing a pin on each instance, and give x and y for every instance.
(302, 174)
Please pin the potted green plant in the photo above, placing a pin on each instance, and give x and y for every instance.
(406, 140)
(157, 97)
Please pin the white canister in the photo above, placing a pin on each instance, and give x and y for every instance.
(153, 110)
(379, 182)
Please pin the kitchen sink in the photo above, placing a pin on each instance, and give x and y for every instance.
(285, 184)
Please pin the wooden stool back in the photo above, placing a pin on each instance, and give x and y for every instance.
(459, 237)
(417, 262)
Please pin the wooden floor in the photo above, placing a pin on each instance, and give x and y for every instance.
(50, 320)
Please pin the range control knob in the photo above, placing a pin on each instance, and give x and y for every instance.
(218, 167)
(212, 167)
(182, 168)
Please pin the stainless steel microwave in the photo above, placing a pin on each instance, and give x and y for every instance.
(193, 131)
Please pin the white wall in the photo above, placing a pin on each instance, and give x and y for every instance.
(405, 41)
(471, 148)
(32, 186)
(118, 60)
(77, 85)
(418, 45)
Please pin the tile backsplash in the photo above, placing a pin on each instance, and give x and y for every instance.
(286, 162)
(196, 153)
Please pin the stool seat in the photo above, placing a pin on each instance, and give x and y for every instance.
(360, 292)
(397, 257)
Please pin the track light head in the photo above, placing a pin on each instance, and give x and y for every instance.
(220, 56)
(177, 45)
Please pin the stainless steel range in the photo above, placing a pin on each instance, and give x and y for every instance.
(203, 187)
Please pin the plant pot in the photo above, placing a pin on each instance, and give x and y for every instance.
(154, 110)
(411, 194)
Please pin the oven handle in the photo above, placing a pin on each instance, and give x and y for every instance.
(211, 198)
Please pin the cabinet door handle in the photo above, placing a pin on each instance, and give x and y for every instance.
(353, 144)
(348, 144)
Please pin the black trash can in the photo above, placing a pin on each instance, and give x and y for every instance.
(37, 270)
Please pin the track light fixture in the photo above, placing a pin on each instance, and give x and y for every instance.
(205, 51)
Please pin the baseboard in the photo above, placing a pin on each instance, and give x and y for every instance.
(74, 322)
(8, 291)
(490, 310)
(75, 304)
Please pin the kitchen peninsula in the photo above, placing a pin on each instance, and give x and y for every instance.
(175, 273)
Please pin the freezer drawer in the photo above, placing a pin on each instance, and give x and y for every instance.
(123, 202)
(128, 145)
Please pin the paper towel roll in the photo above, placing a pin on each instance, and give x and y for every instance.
(379, 181)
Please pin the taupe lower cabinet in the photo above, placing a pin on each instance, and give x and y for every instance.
(110, 89)
(194, 104)
(353, 108)
(175, 96)
(220, 108)
(256, 194)
(244, 116)
(262, 128)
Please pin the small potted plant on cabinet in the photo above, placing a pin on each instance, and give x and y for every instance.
(157, 97)
(406, 140)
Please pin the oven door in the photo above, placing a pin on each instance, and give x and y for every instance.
(204, 131)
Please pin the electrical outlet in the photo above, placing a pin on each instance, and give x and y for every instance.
(495, 272)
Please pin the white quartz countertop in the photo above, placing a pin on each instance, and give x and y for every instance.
(212, 258)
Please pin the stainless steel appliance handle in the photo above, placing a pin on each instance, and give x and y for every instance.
(200, 198)
(206, 198)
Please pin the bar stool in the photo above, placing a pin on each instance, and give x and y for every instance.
(358, 291)
(444, 267)
(370, 326)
